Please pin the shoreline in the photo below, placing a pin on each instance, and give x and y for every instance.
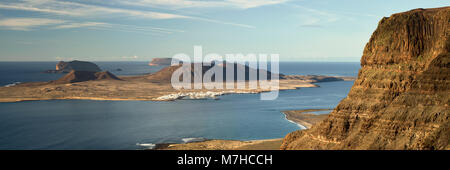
(223, 144)
(303, 118)
(302, 127)
(306, 118)
(13, 100)
(140, 89)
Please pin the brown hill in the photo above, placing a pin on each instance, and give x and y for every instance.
(80, 76)
(401, 96)
(165, 74)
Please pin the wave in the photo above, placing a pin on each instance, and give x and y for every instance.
(12, 84)
(190, 140)
(147, 145)
(298, 124)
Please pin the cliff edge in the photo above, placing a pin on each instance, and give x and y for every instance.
(401, 96)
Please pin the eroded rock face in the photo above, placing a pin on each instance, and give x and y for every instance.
(401, 96)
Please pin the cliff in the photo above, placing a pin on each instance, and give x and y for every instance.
(401, 96)
(66, 67)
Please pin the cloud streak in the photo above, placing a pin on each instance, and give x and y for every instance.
(80, 24)
(76, 9)
(314, 18)
(79, 9)
(30, 24)
(180, 4)
(27, 24)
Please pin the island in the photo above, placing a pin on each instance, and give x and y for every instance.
(75, 65)
(90, 85)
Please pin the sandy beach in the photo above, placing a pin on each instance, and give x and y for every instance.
(305, 117)
(265, 144)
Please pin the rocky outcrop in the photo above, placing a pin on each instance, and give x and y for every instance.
(401, 96)
(160, 62)
(66, 67)
(80, 76)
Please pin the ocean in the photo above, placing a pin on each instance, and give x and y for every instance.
(86, 124)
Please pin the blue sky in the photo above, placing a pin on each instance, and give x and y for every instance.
(139, 30)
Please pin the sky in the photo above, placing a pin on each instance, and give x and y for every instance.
(139, 30)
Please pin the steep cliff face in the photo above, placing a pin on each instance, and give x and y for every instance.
(401, 96)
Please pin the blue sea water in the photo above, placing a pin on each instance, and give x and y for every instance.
(85, 124)
(11, 72)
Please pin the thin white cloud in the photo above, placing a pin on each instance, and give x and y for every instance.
(79, 25)
(130, 29)
(245, 4)
(26, 24)
(30, 24)
(125, 30)
(117, 27)
(29, 8)
(79, 9)
(179, 4)
(222, 22)
(146, 28)
(310, 17)
(76, 9)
